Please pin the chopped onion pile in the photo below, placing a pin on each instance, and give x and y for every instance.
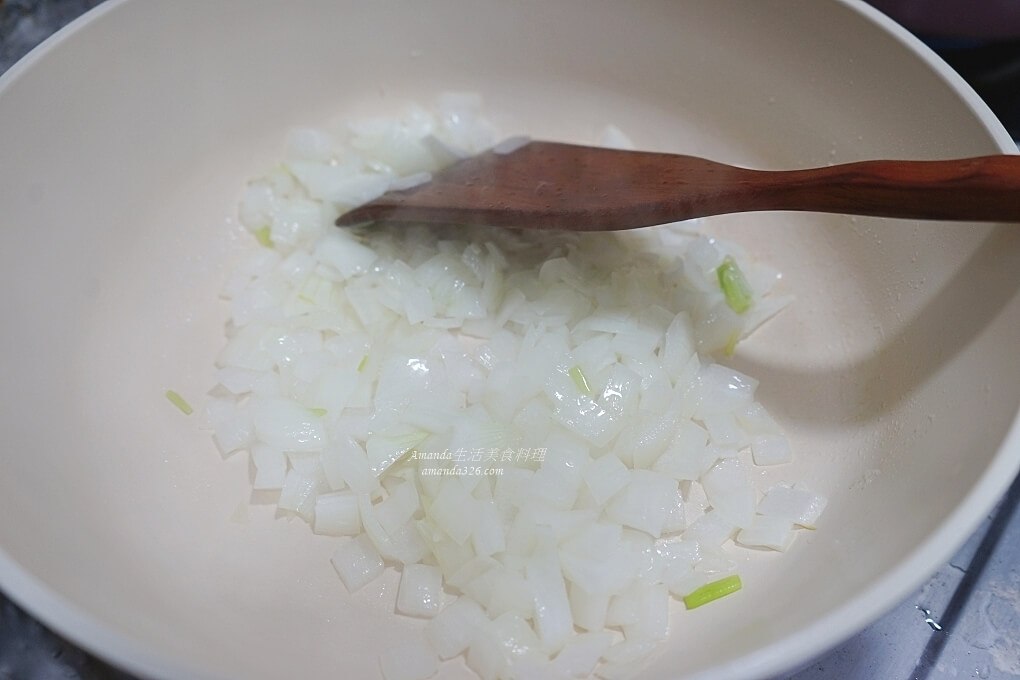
(528, 426)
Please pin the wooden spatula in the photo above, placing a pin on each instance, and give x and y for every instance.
(548, 185)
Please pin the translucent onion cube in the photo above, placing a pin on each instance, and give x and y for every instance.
(533, 665)
(238, 381)
(628, 653)
(344, 254)
(678, 345)
(683, 584)
(287, 425)
(486, 655)
(298, 494)
(596, 541)
(767, 532)
(398, 508)
(552, 607)
(677, 558)
(589, 611)
(357, 562)
(715, 561)
(258, 203)
(471, 570)
(555, 488)
(603, 576)
(336, 514)
(724, 390)
(597, 421)
(794, 504)
(384, 449)
(407, 545)
(645, 503)
(453, 628)
(579, 657)
(605, 476)
(704, 255)
(421, 590)
(771, 450)
(231, 424)
(382, 541)
(515, 634)
(450, 555)
(510, 593)
(676, 517)
(245, 349)
(637, 341)
(453, 510)
(729, 491)
(755, 420)
(710, 529)
(414, 660)
(644, 440)
(296, 220)
(346, 465)
(651, 604)
(333, 387)
(723, 429)
(684, 458)
(307, 464)
(270, 467)
(623, 609)
(488, 536)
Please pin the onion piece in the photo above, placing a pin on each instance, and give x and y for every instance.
(553, 621)
(421, 590)
(357, 562)
(767, 532)
(771, 450)
(796, 504)
(453, 628)
(336, 514)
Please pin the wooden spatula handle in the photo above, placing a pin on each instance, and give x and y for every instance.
(981, 189)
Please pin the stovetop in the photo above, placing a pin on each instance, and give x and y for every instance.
(963, 623)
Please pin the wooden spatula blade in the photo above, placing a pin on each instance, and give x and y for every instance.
(548, 185)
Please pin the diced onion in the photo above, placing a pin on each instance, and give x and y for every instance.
(357, 562)
(767, 532)
(796, 504)
(421, 590)
(771, 450)
(531, 427)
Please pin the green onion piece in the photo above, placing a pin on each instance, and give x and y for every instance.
(713, 591)
(362, 363)
(731, 344)
(178, 401)
(734, 286)
(580, 379)
(263, 237)
(318, 412)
